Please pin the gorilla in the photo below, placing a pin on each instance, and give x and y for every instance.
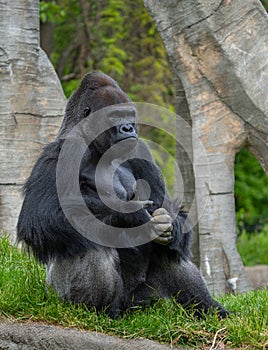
(102, 221)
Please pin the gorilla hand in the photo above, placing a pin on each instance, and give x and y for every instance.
(133, 206)
(161, 223)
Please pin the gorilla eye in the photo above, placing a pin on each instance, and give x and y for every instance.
(87, 111)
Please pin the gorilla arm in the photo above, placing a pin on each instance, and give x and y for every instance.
(169, 222)
(42, 224)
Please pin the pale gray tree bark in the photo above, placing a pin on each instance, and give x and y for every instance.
(218, 50)
(31, 103)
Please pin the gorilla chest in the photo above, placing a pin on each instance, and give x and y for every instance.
(109, 180)
(124, 183)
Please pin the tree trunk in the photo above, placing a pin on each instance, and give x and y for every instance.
(218, 50)
(31, 103)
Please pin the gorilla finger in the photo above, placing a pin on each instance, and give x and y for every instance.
(162, 219)
(166, 234)
(160, 211)
(136, 205)
(163, 240)
(146, 204)
(163, 227)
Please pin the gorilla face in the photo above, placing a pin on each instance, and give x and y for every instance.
(123, 119)
(119, 124)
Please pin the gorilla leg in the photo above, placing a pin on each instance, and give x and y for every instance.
(181, 280)
(93, 279)
(189, 288)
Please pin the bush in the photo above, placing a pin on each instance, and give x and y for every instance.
(251, 193)
(253, 247)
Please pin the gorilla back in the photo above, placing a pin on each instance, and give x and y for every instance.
(125, 198)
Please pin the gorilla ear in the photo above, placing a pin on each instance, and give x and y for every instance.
(87, 111)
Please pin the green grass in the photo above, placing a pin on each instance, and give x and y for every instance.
(24, 297)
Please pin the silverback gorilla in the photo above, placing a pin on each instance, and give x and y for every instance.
(150, 258)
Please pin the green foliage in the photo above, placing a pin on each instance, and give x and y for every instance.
(251, 192)
(70, 86)
(265, 4)
(24, 296)
(50, 12)
(117, 37)
(254, 247)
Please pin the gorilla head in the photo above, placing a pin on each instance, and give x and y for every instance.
(114, 123)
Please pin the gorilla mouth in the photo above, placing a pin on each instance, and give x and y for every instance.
(128, 138)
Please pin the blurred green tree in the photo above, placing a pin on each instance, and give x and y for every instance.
(251, 193)
(115, 36)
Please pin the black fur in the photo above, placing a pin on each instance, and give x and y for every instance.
(83, 271)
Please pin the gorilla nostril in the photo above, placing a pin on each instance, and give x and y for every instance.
(126, 129)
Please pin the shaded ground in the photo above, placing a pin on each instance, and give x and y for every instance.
(25, 336)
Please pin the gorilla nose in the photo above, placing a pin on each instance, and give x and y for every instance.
(126, 129)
